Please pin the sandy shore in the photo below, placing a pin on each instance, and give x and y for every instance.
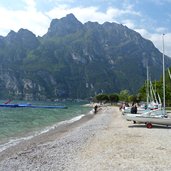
(103, 142)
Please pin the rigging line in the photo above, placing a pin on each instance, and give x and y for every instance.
(169, 73)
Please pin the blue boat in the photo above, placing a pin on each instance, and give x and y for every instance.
(48, 107)
(9, 105)
(31, 106)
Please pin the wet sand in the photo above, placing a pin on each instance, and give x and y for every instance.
(101, 142)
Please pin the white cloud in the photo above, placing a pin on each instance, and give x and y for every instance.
(30, 19)
(30, 5)
(143, 33)
(92, 13)
(129, 24)
(61, 1)
(84, 14)
(161, 30)
(156, 38)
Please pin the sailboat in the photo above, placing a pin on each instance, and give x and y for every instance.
(158, 116)
(155, 103)
(151, 102)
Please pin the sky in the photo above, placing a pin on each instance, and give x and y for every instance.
(150, 18)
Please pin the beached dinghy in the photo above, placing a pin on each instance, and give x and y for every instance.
(149, 118)
(149, 121)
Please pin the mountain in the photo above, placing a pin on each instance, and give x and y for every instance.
(64, 26)
(75, 60)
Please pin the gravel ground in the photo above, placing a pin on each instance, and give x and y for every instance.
(106, 142)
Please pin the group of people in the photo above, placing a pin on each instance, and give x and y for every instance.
(124, 106)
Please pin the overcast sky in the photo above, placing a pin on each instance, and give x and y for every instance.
(151, 18)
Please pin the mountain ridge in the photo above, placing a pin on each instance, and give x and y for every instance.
(75, 60)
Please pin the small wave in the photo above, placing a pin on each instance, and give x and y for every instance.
(75, 118)
(91, 112)
(13, 142)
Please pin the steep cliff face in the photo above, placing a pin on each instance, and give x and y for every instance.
(75, 60)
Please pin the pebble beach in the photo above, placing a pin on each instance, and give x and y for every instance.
(100, 142)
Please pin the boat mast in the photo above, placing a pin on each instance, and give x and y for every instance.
(147, 87)
(164, 105)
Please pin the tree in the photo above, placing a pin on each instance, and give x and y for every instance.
(143, 92)
(113, 98)
(102, 98)
(133, 98)
(123, 95)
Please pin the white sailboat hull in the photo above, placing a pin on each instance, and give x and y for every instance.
(147, 119)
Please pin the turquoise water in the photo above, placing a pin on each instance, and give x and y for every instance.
(21, 122)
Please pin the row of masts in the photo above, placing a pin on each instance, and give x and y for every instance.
(149, 84)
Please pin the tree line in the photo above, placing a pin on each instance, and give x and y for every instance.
(141, 95)
(124, 95)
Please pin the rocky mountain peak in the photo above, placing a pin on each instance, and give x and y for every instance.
(24, 32)
(28, 39)
(23, 38)
(64, 26)
(11, 36)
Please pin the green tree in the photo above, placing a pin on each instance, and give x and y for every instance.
(143, 92)
(123, 95)
(102, 98)
(132, 98)
(113, 98)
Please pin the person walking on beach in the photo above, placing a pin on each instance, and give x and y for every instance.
(122, 107)
(95, 108)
